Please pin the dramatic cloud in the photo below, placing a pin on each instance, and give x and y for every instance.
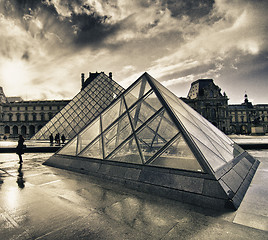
(45, 45)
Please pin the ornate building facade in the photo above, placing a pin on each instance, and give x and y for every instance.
(247, 118)
(206, 98)
(25, 117)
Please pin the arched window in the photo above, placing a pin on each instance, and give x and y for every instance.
(15, 130)
(7, 129)
(23, 130)
(34, 117)
(10, 117)
(26, 117)
(32, 130)
(42, 116)
(18, 117)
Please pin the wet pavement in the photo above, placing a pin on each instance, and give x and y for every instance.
(41, 202)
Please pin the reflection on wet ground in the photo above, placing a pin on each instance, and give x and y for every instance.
(41, 202)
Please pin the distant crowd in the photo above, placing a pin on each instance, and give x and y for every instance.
(58, 139)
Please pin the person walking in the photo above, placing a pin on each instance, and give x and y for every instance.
(20, 148)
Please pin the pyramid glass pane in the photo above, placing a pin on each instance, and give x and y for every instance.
(110, 140)
(85, 106)
(153, 136)
(179, 156)
(94, 150)
(111, 114)
(123, 129)
(128, 152)
(70, 148)
(167, 129)
(198, 133)
(149, 140)
(212, 158)
(144, 110)
(88, 135)
(137, 91)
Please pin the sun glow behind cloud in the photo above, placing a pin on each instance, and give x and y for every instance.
(14, 74)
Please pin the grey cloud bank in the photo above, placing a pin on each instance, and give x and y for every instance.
(44, 44)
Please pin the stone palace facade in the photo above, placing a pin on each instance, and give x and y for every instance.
(206, 98)
(25, 117)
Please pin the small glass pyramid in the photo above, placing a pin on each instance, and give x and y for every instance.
(149, 125)
(83, 108)
(150, 140)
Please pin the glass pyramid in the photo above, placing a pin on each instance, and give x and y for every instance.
(83, 108)
(149, 125)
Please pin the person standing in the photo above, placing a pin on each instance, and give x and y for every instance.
(57, 139)
(51, 139)
(20, 148)
(63, 138)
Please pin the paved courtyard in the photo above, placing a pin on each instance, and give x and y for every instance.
(41, 202)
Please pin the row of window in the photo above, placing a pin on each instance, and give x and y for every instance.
(24, 130)
(249, 112)
(25, 108)
(27, 117)
(246, 119)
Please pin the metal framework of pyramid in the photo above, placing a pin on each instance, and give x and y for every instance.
(85, 106)
(151, 140)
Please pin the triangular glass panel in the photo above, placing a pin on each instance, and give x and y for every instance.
(148, 137)
(69, 148)
(128, 152)
(144, 110)
(94, 150)
(112, 113)
(137, 91)
(110, 139)
(167, 129)
(148, 142)
(123, 130)
(178, 155)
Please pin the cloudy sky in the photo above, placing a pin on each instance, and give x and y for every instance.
(46, 44)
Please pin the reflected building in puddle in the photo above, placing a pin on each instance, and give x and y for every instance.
(150, 140)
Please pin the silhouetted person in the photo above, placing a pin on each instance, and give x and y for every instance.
(51, 139)
(20, 148)
(57, 139)
(63, 139)
(20, 180)
(5, 137)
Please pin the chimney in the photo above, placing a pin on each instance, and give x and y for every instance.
(82, 80)
(111, 75)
